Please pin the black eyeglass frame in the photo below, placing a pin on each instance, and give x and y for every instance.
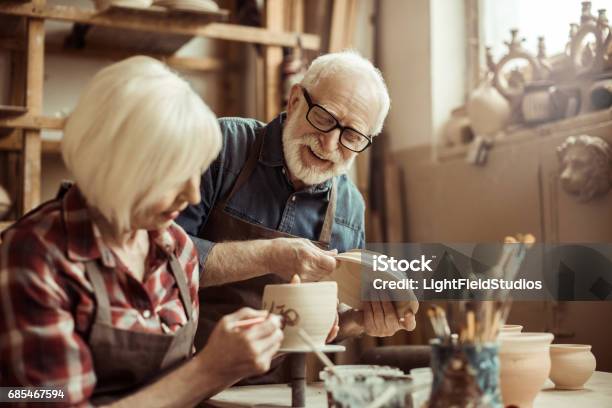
(312, 105)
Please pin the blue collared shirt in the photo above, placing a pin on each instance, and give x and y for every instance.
(268, 198)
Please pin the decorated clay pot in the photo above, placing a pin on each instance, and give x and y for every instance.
(310, 306)
(571, 365)
(524, 366)
(511, 328)
(488, 110)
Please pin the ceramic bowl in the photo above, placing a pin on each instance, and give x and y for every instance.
(524, 366)
(571, 365)
(311, 306)
(360, 386)
(511, 328)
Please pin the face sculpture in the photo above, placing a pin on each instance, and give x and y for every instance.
(585, 166)
(313, 156)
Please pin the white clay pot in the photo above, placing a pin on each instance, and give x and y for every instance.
(311, 306)
(524, 360)
(488, 110)
(571, 365)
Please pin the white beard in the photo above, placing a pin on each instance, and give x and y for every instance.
(292, 146)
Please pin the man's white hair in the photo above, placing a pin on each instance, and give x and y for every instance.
(350, 64)
(138, 129)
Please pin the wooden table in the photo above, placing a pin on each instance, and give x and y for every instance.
(597, 393)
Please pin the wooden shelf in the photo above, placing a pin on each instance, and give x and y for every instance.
(7, 111)
(201, 25)
(525, 134)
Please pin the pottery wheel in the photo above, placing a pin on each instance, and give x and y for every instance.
(297, 365)
(328, 348)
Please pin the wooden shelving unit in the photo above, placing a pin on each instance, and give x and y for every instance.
(117, 33)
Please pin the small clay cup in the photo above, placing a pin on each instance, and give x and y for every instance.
(571, 365)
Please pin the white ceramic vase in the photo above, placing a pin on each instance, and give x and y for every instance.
(571, 365)
(524, 366)
(311, 306)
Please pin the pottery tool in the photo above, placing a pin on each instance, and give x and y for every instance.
(248, 322)
(315, 349)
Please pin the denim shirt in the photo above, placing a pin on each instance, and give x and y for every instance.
(268, 198)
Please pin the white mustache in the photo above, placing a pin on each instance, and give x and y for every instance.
(315, 145)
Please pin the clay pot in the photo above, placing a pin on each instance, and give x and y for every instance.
(310, 306)
(524, 366)
(511, 328)
(488, 110)
(571, 365)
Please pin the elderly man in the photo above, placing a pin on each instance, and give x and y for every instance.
(277, 201)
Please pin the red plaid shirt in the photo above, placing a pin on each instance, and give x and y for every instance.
(47, 303)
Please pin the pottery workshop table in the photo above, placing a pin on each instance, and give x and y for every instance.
(597, 393)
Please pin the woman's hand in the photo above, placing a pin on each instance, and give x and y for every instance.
(234, 352)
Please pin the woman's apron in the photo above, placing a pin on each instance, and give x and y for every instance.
(125, 360)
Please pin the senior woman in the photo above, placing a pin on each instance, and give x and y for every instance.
(99, 287)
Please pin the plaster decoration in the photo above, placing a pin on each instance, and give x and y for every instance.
(585, 166)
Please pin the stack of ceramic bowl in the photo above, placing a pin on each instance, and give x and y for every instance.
(188, 5)
(103, 4)
(524, 366)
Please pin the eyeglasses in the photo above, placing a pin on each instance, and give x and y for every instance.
(325, 122)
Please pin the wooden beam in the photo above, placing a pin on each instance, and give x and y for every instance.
(342, 25)
(204, 64)
(273, 59)
(31, 149)
(33, 122)
(146, 22)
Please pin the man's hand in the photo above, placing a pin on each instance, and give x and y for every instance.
(334, 330)
(289, 256)
(380, 318)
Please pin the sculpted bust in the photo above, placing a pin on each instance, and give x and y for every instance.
(585, 166)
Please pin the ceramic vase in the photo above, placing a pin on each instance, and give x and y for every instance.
(524, 366)
(571, 365)
(488, 110)
(310, 306)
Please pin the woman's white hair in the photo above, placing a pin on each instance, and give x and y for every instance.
(138, 130)
(350, 64)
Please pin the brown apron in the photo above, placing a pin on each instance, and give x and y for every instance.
(126, 360)
(215, 302)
